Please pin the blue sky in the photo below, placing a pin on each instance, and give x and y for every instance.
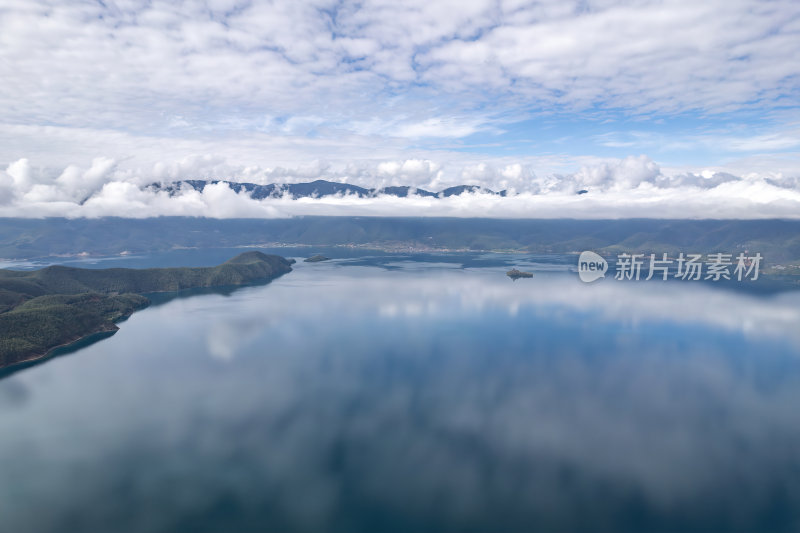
(537, 96)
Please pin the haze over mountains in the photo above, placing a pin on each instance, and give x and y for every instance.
(777, 240)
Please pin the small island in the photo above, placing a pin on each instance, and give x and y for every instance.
(516, 274)
(44, 309)
(316, 259)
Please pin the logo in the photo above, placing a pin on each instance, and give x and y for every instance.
(591, 267)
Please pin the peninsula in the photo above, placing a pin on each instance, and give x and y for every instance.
(55, 306)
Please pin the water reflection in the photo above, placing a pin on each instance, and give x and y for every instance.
(350, 398)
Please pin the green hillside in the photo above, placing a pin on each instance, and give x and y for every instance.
(43, 309)
(38, 325)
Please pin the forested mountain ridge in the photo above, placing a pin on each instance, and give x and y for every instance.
(57, 305)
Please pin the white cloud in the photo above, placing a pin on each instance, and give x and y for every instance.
(628, 173)
(84, 64)
(389, 93)
(630, 187)
(20, 174)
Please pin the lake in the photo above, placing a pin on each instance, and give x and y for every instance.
(421, 392)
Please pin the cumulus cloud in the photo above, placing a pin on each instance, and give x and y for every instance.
(631, 187)
(626, 174)
(419, 93)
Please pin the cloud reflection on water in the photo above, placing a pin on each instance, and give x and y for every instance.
(355, 399)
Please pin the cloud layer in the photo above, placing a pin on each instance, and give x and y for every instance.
(287, 63)
(543, 98)
(631, 187)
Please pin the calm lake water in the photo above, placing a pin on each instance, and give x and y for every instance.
(424, 393)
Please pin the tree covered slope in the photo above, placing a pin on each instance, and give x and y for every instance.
(43, 309)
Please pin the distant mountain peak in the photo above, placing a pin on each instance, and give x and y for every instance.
(321, 188)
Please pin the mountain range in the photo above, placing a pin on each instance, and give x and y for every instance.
(777, 240)
(320, 188)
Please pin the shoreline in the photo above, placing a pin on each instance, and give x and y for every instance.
(52, 352)
(38, 357)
